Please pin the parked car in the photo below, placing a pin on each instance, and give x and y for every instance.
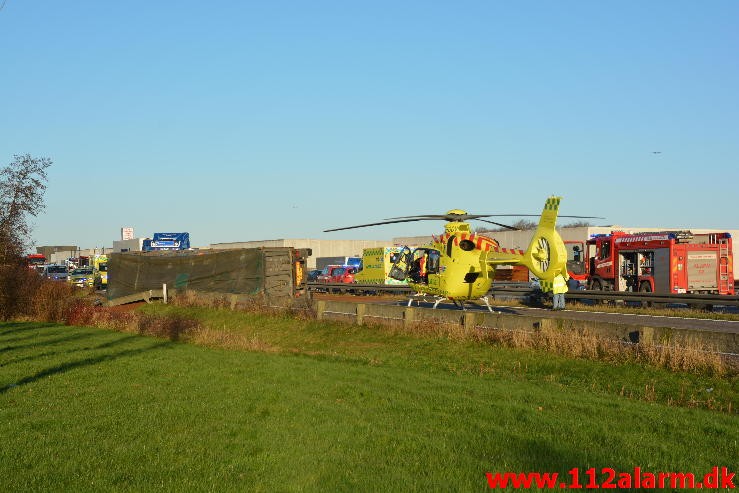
(313, 275)
(325, 275)
(344, 274)
(337, 273)
(82, 276)
(55, 272)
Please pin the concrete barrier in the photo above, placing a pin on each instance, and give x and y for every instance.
(372, 313)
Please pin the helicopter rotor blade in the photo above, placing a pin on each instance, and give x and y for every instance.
(499, 224)
(380, 223)
(425, 216)
(450, 217)
(538, 215)
(445, 217)
(464, 217)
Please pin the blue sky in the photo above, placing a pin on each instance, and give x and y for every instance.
(248, 120)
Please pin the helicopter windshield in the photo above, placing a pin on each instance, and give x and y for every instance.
(432, 264)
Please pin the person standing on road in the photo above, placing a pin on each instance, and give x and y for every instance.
(559, 288)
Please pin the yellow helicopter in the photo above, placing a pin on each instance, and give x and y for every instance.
(460, 265)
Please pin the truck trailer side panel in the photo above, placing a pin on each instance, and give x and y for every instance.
(702, 270)
(239, 271)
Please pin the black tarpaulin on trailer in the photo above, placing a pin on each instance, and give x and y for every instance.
(238, 271)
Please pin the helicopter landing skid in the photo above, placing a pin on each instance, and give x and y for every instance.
(461, 303)
(487, 304)
(419, 297)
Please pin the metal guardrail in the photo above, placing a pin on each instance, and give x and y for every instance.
(687, 299)
(516, 290)
(355, 288)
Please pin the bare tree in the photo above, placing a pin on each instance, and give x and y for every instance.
(578, 224)
(22, 187)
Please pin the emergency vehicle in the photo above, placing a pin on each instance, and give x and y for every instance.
(376, 265)
(100, 263)
(35, 260)
(660, 262)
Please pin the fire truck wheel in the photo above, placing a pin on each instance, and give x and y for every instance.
(597, 286)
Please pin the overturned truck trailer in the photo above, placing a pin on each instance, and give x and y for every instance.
(273, 272)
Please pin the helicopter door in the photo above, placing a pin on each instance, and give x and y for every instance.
(418, 272)
(402, 264)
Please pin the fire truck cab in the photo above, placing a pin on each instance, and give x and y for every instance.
(662, 262)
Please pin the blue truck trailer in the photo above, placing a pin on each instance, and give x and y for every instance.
(167, 241)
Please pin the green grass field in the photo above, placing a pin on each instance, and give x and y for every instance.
(330, 407)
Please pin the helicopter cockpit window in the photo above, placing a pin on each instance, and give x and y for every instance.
(466, 245)
(432, 264)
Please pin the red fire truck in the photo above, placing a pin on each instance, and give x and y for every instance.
(661, 262)
(35, 260)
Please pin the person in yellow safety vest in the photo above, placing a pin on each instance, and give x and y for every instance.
(559, 288)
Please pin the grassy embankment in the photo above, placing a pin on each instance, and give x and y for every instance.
(297, 404)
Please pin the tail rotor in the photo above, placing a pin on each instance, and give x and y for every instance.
(546, 256)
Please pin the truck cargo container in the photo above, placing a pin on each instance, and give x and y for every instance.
(167, 241)
(274, 272)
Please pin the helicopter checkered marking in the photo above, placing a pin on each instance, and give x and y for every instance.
(552, 203)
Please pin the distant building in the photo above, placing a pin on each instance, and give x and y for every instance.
(320, 248)
(48, 251)
(132, 245)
